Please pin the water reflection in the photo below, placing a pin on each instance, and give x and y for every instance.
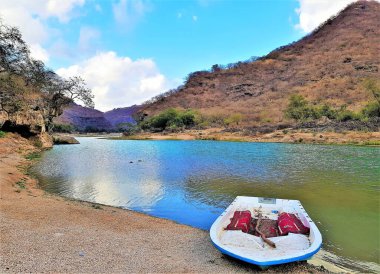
(191, 182)
(96, 176)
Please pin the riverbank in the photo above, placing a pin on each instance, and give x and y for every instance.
(46, 233)
(278, 136)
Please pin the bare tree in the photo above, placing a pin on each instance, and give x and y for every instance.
(58, 93)
(14, 53)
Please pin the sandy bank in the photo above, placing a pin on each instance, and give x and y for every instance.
(46, 233)
(279, 136)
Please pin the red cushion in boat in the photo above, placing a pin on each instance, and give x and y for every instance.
(289, 223)
(240, 221)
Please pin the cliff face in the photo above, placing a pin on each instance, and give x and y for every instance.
(327, 66)
(29, 123)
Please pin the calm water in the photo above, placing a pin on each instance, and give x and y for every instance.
(191, 182)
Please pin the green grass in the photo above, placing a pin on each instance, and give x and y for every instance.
(21, 184)
(33, 156)
(371, 143)
(96, 206)
(2, 134)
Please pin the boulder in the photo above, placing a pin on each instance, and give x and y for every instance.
(64, 140)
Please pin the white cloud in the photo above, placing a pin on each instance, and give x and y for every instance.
(86, 37)
(118, 81)
(29, 17)
(314, 12)
(129, 12)
(39, 53)
(61, 9)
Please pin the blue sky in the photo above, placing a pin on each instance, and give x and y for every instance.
(130, 50)
(183, 36)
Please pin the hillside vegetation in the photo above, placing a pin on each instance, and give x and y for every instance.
(330, 69)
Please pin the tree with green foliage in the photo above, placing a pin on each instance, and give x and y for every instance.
(299, 109)
(169, 119)
(66, 128)
(372, 109)
(343, 114)
(326, 111)
(20, 74)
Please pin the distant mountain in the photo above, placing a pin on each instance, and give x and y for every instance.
(84, 119)
(119, 116)
(88, 119)
(327, 66)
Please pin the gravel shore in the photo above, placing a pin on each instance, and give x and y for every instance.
(46, 233)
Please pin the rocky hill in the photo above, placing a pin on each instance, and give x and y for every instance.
(90, 120)
(327, 66)
(119, 116)
(83, 118)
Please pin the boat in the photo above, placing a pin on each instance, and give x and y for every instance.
(260, 250)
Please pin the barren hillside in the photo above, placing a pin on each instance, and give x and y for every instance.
(327, 66)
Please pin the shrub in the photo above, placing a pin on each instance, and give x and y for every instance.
(21, 184)
(343, 114)
(170, 119)
(2, 134)
(65, 128)
(33, 155)
(299, 109)
(131, 130)
(233, 119)
(188, 117)
(92, 129)
(372, 109)
(327, 111)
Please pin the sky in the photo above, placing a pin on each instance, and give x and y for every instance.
(128, 51)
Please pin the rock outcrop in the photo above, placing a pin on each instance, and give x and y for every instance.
(29, 124)
(64, 140)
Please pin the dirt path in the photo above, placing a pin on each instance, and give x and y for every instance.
(45, 233)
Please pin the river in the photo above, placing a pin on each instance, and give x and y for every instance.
(191, 182)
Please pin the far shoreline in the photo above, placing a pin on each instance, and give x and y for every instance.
(359, 138)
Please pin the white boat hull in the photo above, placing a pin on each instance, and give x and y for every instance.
(251, 249)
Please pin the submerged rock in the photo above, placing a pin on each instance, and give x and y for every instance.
(65, 140)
